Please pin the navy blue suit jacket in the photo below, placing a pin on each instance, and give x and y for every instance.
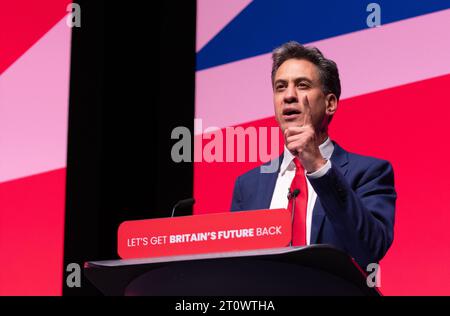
(355, 205)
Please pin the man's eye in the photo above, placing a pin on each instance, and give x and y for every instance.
(279, 87)
(302, 85)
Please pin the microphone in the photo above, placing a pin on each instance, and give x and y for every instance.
(292, 195)
(183, 203)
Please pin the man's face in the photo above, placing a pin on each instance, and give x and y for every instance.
(295, 79)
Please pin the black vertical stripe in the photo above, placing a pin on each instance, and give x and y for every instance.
(132, 82)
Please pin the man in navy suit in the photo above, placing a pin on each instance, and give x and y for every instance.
(349, 199)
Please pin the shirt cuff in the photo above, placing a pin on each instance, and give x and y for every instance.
(321, 172)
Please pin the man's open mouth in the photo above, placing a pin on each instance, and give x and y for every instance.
(291, 113)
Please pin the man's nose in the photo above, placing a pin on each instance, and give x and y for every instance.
(290, 95)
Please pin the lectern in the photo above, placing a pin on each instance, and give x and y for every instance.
(286, 271)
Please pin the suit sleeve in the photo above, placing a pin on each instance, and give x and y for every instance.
(362, 215)
(236, 202)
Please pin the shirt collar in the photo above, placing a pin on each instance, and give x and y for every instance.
(326, 149)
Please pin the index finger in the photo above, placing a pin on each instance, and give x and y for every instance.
(306, 111)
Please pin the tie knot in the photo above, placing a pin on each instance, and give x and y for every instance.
(298, 165)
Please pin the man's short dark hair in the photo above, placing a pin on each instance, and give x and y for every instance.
(328, 71)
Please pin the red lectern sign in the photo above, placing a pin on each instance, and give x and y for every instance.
(220, 232)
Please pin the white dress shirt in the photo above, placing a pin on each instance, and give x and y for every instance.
(286, 175)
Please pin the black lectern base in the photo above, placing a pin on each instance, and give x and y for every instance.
(312, 270)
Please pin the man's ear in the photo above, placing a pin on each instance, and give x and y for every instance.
(331, 104)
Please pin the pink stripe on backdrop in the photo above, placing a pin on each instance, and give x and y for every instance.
(234, 93)
(34, 96)
(370, 60)
(214, 15)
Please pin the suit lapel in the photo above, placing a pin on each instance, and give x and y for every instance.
(267, 186)
(339, 159)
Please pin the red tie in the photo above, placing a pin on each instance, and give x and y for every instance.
(301, 201)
